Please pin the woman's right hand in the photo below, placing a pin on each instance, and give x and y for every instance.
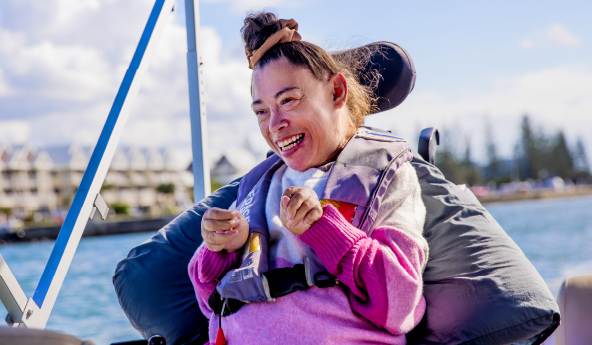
(224, 230)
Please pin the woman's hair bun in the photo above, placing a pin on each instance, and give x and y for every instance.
(257, 28)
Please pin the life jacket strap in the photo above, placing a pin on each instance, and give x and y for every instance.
(281, 282)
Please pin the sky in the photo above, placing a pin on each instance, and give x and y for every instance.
(479, 64)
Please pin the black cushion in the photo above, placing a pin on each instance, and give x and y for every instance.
(397, 74)
(478, 285)
(152, 283)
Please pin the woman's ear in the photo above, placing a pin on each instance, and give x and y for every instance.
(339, 85)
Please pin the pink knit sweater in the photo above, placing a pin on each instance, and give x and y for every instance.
(378, 300)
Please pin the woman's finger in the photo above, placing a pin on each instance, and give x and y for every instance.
(220, 214)
(287, 196)
(300, 225)
(296, 202)
(313, 215)
(290, 191)
(213, 239)
(213, 225)
(303, 210)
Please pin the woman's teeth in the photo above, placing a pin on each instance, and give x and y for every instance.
(289, 143)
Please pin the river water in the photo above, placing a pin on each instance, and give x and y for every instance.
(555, 235)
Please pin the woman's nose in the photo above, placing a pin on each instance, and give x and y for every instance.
(277, 121)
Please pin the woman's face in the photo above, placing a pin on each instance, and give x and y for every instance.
(303, 120)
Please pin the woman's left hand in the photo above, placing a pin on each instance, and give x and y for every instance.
(299, 209)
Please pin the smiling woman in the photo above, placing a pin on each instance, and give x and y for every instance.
(300, 84)
(338, 270)
(304, 120)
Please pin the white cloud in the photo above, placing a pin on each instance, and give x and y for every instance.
(161, 113)
(554, 35)
(559, 35)
(16, 132)
(529, 43)
(66, 86)
(60, 84)
(5, 88)
(243, 6)
(81, 72)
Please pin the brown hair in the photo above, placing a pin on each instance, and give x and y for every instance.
(360, 100)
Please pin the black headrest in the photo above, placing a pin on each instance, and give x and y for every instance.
(397, 74)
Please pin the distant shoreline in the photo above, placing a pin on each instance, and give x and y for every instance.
(533, 194)
(92, 229)
(154, 224)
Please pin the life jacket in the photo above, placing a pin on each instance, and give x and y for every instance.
(356, 185)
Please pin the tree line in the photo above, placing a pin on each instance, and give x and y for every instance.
(536, 156)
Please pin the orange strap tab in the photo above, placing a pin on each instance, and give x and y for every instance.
(346, 209)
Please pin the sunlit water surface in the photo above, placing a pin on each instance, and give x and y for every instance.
(555, 234)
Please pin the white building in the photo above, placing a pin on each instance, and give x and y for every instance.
(26, 181)
(45, 180)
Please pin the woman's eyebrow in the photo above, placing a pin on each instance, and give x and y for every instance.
(258, 101)
(284, 90)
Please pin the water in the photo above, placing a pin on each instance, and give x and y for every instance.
(555, 235)
(86, 306)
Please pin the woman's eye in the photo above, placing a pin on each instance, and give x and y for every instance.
(287, 100)
(259, 112)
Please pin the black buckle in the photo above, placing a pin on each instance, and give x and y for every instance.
(324, 279)
(283, 281)
(232, 306)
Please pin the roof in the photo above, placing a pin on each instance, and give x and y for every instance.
(68, 156)
(27, 156)
(236, 161)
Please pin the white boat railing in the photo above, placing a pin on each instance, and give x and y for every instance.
(34, 312)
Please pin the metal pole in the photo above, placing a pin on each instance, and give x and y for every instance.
(197, 106)
(75, 222)
(11, 294)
